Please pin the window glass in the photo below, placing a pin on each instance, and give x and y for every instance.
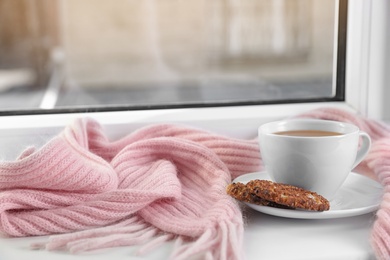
(97, 54)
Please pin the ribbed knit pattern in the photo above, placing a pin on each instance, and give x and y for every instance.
(159, 183)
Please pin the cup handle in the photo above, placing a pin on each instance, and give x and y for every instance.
(364, 148)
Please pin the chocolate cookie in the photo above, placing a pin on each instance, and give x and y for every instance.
(268, 193)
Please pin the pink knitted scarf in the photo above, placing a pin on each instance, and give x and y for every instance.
(160, 183)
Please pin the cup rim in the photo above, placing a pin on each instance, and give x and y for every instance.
(272, 127)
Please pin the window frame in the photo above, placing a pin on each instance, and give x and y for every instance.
(368, 54)
(242, 121)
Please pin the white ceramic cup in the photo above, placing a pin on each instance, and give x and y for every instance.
(319, 163)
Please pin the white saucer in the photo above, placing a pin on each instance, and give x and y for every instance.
(358, 195)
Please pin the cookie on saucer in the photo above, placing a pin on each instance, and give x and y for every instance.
(268, 193)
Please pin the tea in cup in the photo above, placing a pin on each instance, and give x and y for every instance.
(313, 154)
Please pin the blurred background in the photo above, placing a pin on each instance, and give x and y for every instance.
(98, 53)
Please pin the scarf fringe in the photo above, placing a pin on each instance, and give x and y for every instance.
(154, 243)
(223, 243)
(115, 240)
(126, 232)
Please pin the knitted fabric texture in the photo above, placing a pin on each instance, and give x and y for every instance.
(160, 183)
